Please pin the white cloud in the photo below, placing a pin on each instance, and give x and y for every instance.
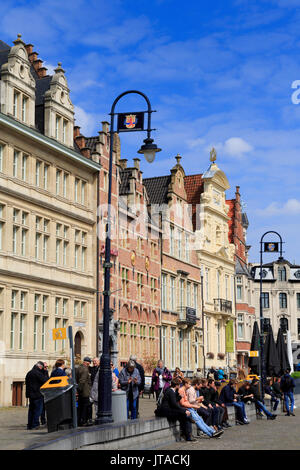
(236, 147)
(291, 207)
(85, 120)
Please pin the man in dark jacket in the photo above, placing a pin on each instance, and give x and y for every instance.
(215, 401)
(229, 397)
(84, 385)
(140, 368)
(257, 400)
(215, 412)
(171, 409)
(287, 385)
(35, 378)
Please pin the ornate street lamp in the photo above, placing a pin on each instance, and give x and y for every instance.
(265, 247)
(127, 122)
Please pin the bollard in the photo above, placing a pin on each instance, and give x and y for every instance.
(119, 406)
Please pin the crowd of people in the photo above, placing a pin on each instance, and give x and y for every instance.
(202, 400)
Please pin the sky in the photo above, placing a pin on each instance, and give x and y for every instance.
(223, 74)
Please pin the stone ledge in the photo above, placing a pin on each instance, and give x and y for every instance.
(141, 434)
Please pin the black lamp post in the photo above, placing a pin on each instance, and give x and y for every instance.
(270, 248)
(126, 122)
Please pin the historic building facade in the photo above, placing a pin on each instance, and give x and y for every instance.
(181, 330)
(280, 298)
(206, 193)
(47, 221)
(244, 288)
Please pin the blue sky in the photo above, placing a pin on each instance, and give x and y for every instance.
(218, 73)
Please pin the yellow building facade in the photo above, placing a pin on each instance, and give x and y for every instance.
(47, 224)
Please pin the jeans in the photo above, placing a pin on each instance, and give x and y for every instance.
(240, 409)
(34, 412)
(274, 403)
(262, 407)
(289, 396)
(200, 423)
(131, 405)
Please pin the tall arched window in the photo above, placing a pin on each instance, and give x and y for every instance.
(282, 300)
(281, 273)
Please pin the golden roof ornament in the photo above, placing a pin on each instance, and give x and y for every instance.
(213, 155)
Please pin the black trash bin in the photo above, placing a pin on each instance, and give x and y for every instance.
(57, 392)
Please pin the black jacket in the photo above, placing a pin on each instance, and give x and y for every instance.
(205, 393)
(214, 396)
(35, 378)
(140, 368)
(171, 400)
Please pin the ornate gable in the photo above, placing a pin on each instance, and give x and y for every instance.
(18, 85)
(59, 110)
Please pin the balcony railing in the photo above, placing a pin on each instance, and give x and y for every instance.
(187, 315)
(222, 305)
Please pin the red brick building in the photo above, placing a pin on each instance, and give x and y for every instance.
(245, 312)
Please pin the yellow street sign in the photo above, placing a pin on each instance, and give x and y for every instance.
(253, 354)
(59, 333)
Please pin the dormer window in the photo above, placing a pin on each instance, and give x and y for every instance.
(281, 273)
(20, 106)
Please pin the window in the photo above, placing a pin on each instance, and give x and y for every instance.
(36, 302)
(36, 332)
(153, 291)
(58, 180)
(16, 104)
(12, 330)
(139, 285)
(57, 125)
(284, 324)
(124, 282)
(180, 348)
(80, 191)
(172, 348)
(240, 326)
(21, 331)
(265, 300)
(164, 292)
(37, 172)
(76, 305)
(65, 124)
(188, 347)
(45, 176)
(172, 294)
(181, 294)
(179, 243)
(188, 295)
(187, 247)
(172, 251)
(24, 167)
(282, 300)
(281, 273)
(298, 300)
(24, 108)
(164, 343)
(44, 329)
(219, 336)
(65, 184)
(15, 163)
(195, 296)
(1, 157)
(239, 288)
(207, 284)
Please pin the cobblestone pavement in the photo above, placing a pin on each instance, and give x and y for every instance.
(280, 434)
(13, 425)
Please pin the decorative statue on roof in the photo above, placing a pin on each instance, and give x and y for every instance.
(213, 155)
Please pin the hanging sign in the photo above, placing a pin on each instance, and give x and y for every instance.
(271, 247)
(253, 353)
(130, 122)
(59, 333)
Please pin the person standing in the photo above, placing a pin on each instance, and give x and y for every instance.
(161, 378)
(34, 379)
(84, 384)
(59, 369)
(140, 368)
(130, 380)
(287, 385)
(43, 414)
(93, 370)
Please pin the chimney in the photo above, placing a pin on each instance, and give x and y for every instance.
(123, 163)
(76, 131)
(32, 56)
(42, 72)
(80, 141)
(86, 152)
(136, 163)
(29, 48)
(105, 127)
